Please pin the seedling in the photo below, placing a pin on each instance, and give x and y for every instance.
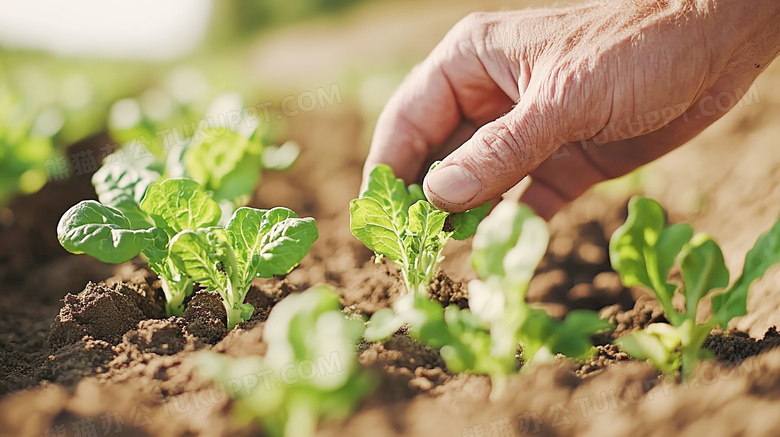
(484, 339)
(309, 373)
(174, 227)
(643, 252)
(253, 244)
(227, 163)
(396, 221)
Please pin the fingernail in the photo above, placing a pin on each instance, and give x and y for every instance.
(453, 184)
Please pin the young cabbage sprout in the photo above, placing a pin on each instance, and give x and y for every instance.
(643, 252)
(397, 222)
(174, 226)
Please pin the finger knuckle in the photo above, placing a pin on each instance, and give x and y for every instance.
(473, 27)
(499, 146)
(572, 98)
(564, 86)
(474, 20)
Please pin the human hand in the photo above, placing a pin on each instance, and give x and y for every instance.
(570, 96)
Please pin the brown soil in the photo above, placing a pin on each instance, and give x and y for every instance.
(104, 356)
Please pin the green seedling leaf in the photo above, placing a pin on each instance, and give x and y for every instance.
(426, 320)
(196, 254)
(374, 227)
(425, 220)
(226, 163)
(281, 157)
(669, 245)
(643, 250)
(416, 193)
(237, 186)
(536, 329)
(571, 337)
(248, 227)
(692, 337)
(487, 299)
(102, 232)
(642, 345)
(180, 204)
(631, 242)
(668, 347)
(270, 242)
(464, 356)
(509, 243)
(764, 254)
(383, 324)
(425, 224)
(390, 193)
(671, 338)
(285, 245)
(122, 184)
(157, 255)
(287, 324)
(464, 224)
(586, 321)
(247, 309)
(703, 270)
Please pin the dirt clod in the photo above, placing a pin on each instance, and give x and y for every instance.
(605, 356)
(206, 317)
(100, 311)
(735, 347)
(646, 310)
(74, 361)
(408, 367)
(161, 337)
(448, 292)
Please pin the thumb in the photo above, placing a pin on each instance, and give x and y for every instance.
(493, 160)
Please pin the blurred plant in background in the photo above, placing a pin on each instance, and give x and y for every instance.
(249, 16)
(25, 145)
(65, 85)
(42, 111)
(221, 149)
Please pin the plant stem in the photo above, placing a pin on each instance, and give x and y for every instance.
(174, 298)
(659, 287)
(692, 340)
(233, 296)
(233, 316)
(301, 421)
(174, 308)
(419, 276)
(497, 386)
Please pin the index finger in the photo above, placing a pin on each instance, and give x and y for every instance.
(421, 114)
(452, 85)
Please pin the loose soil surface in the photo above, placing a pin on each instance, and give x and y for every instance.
(85, 349)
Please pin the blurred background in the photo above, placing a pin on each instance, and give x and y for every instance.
(70, 70)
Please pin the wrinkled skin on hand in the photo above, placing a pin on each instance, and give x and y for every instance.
(570, 96)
